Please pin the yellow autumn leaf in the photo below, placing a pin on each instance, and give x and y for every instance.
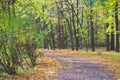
(35, 68)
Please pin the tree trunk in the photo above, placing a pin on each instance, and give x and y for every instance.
(77, 30)
(92, 32)
(112, 40)
(75, 33)
(52, 40)
(71, 34)
(116, 28)
(107, 38)
(9, 10)
(61, 43)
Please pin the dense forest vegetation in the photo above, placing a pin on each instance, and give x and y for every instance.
(27, 25)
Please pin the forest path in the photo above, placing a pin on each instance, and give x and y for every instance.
(80, 68)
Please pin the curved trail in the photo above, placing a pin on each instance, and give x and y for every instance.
(77, 68)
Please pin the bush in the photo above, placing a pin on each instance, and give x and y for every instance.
(10, 53)
(30, 48)
(9, 59)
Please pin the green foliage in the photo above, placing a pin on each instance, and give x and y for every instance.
(26, 24)
(21, 34)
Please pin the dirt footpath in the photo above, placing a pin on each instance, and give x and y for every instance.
(80, 68)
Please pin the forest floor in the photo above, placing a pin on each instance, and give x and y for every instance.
(78, 65)
(45, 69)
(73, 65)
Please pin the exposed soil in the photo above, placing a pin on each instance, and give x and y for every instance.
(80, 68)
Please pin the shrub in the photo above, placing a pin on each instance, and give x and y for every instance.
(10, 53)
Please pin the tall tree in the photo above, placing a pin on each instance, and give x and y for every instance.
(61, 43)
(92, 32)
(92, 43)
(107, 38)
(112, 40)
(116, 27)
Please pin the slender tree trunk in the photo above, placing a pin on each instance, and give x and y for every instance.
(52, 40)
(61, 43)
(66, 36)
(116, 28)
(73, 23)
(112, 40)
(71, 34)
(77, 30)
(13, 3)
(46, 43)
(59, 38)
(107, 38)
(88, 32)
(9, 13)
(92, 32)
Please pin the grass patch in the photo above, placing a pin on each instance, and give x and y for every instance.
(111, 55)
(107, 55)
